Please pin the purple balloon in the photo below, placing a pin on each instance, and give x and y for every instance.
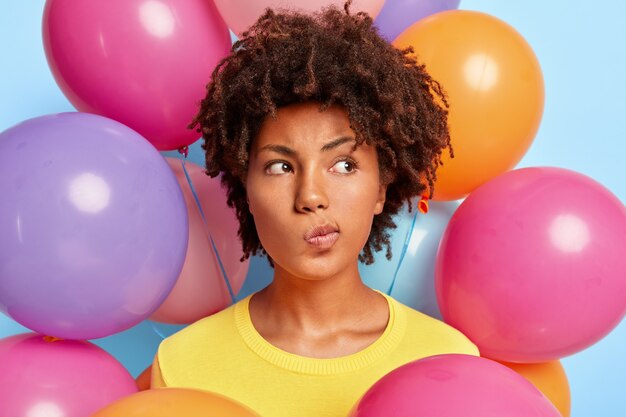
(397, 15)
(93, 226)
(58, 378)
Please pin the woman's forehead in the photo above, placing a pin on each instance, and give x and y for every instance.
(304, 124)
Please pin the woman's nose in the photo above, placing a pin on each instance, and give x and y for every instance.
(310, 192)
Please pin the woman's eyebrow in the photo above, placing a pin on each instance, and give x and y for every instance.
(337, 142)
(285, 150)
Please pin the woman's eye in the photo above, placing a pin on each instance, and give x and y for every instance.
(344, 167)
(278, 167)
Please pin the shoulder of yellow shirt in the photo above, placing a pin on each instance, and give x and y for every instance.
(422, 331)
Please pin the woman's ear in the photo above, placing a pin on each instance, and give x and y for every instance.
(243, 183)
(380, 201)
(249, 207)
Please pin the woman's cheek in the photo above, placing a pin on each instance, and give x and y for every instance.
(269, 218)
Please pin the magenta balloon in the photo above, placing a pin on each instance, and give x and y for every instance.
(531, 266)
(93, 226)
(58, 378)
(144, 63)
(398, 15)
(454, 386)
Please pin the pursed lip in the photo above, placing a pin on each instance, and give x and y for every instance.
(322, 237)
(320, 230)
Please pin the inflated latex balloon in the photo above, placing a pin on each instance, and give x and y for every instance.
(409, 276)
(550, 379)
(167, 402)
(531, 265)
(133, 348)
(144, 63)
(93, 226)
(453, 386)
(495, 91)
(42, 376)
(241, 14)
(143, 379)
(397, 15)
(201, 288)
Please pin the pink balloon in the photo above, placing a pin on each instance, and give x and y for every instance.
(531, 266)
(144, 63)
(201, 290)
(241, 14)
(58, 378)
(454, 386)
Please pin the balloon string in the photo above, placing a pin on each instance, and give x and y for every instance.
(407, 239)
(185, 152)
(157, 331)
(215, 251)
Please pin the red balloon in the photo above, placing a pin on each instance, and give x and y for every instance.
(201, 289)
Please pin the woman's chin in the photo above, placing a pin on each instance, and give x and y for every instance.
(317, 268)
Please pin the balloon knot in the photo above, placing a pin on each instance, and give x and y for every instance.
(422, 206)
(51, 339)
(184, 150)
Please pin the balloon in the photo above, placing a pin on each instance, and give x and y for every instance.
(453, 385)
(143, 380)
(93, 226)
(495, 89)
(397, 15)
(200, 289)
(414, 283)
(133, 348)
(531, 266)
(550, 379)
(144, 63)
(241, 14)
(44, 377)
(167, 402)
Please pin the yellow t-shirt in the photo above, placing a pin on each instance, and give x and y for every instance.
(225, 354)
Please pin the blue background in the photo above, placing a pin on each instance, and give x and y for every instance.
(581, 48)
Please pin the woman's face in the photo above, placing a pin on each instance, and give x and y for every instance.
(303, 173)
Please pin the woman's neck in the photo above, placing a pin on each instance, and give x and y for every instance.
(295, 313)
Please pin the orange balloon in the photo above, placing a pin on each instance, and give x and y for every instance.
(495, 91)
(143, 380)
(550, 379)
(167, 402)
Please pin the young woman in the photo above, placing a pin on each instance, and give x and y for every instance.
(321, 131)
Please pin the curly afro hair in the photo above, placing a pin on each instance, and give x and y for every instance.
(332, 57)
